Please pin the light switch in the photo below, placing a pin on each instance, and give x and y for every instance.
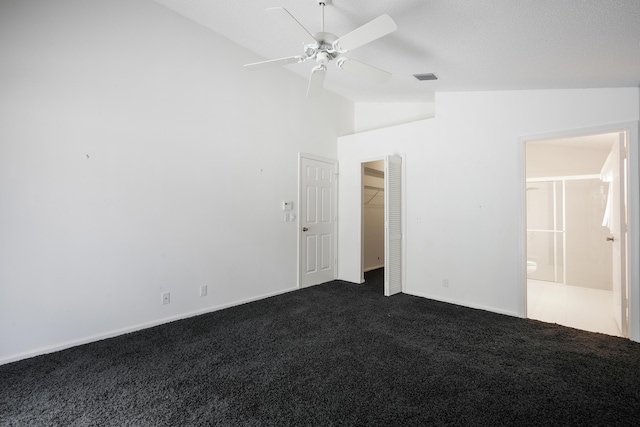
(287, 206)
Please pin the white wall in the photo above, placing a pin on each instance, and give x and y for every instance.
(376, 115)
(465, 191)
(544, 160)
(137, 157)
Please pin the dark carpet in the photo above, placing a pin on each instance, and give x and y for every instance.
(333, 354)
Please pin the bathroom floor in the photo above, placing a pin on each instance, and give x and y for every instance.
(573, 306)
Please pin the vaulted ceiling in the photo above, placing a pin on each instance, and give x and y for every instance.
(469, 45)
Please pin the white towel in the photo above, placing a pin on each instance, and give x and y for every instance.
(607, 174)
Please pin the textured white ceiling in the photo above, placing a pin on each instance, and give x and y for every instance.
(468, 44)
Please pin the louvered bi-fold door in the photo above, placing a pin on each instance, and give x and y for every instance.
(393, 225)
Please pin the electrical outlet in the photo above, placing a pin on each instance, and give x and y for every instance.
(166, 298)
(203, 290)
(445, 283)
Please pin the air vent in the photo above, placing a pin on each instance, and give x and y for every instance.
(426, 76)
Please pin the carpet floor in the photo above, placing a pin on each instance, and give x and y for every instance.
(333, 354)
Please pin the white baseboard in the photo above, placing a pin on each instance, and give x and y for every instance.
(114, 333)
(464, 304)
(373, 268)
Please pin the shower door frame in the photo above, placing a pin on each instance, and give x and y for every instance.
(555, 230)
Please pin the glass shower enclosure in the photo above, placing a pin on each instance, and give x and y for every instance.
(546, 234)
(565, 235)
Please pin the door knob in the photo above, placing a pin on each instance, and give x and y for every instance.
(611, 239)
(305, 229)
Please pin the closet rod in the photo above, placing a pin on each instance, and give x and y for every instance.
(370, 187)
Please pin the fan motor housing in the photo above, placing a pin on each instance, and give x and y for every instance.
(322, 51)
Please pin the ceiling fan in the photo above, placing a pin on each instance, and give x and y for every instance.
(324, 47)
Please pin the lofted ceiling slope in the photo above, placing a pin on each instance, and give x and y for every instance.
(469, 45)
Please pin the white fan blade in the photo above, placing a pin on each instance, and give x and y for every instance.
(363, 70)
(288, 19)
(379, 27)
(274, 62)
(316, 81)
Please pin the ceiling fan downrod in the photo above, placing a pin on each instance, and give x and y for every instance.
(322, 5)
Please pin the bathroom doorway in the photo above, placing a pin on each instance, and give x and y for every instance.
(571, 248)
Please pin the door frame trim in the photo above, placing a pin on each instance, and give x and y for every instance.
(299, 213)
(633, 210)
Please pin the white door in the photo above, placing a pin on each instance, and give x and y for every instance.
(616, 220)
(393, 271)
(317, 221)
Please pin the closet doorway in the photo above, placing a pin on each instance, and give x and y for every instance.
(373, 216)
(383, 221)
